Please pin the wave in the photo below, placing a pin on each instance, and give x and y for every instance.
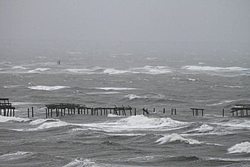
(40, 121)
(79, 162)
(149, 96)
(93, 70)
(47, 88)
(114, 88)
(152, 70)
(218, 70)
(243, 147)
(15, 155)
(235, 124)
(39, 70)
(11, 86)
(45, 124)
(16, 119)
(138, 123)
(177, 138)
(152, 98)
(204, 128)
(112, 71)
(19, 68)
(102, 93)
(221, 102)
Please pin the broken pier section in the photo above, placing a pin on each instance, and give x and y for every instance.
(72, 109)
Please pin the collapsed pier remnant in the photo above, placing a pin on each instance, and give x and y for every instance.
(72, 109)
(240, 110)
(196, 111)
(6, 108)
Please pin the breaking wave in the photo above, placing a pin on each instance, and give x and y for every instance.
(176, 138)
(80, 162)
(243, 147)
(16, 119)
(15, 155)
(204, 128)
(138, 123)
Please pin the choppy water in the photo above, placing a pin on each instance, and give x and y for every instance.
(125, 79)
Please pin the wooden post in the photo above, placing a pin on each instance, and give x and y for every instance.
(223, 112)
(13, 112)
(135, 111)
(202, 112)
(32, 111)
(164, 110)
(46, 114)
(175, 111)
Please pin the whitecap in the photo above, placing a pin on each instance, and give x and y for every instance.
(153, 70)
(15, 155)
(138, 123)
(149, 96)
(112, 71)
(47, 88)
(114, 88)
(221, 102)
(38, 70)
(243, 147)
(80, 162)
(19, 68)
(48, 125)
(211, 68)
(114, 115)
(204, 128)
(102, 93)
(176, 138)
(40, 121)
(17, 119)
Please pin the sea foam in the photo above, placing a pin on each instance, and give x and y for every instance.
(243, 147)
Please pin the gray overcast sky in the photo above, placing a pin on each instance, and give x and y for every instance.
(126, 20)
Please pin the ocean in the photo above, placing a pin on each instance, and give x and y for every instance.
(148, 80)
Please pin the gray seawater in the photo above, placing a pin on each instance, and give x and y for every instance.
(140, 81)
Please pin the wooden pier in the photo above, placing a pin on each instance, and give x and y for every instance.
(72, 109)
(6, 108)
(240, 110)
